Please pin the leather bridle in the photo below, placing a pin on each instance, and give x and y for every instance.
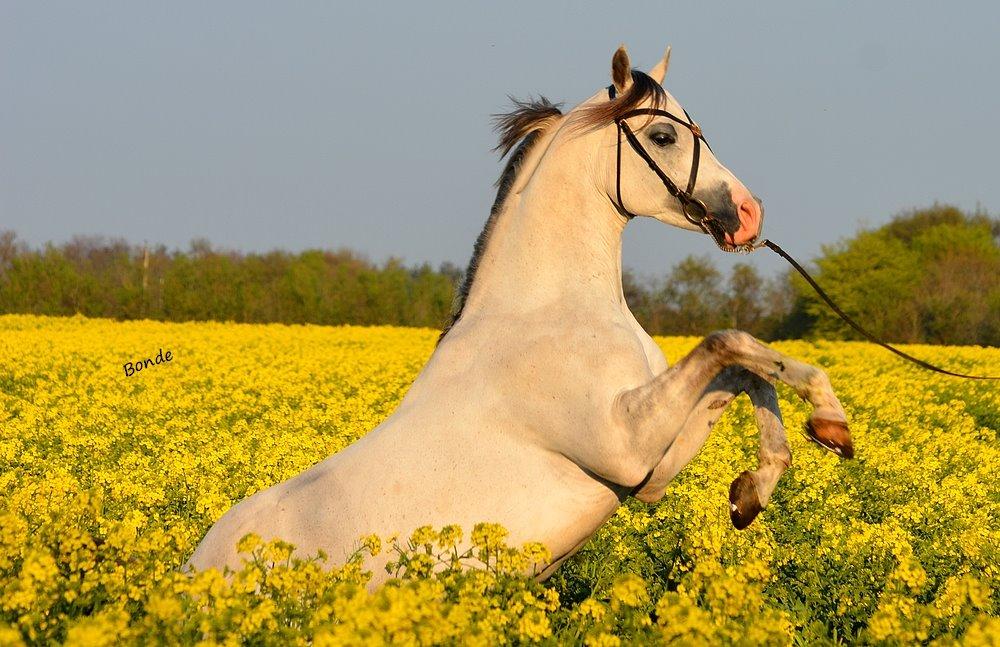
(694, 209)
(697, 212)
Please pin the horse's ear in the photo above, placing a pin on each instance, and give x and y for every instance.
(659, 71)
(621, 71)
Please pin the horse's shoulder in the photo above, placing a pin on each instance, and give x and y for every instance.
(602, 346)
(607, 349)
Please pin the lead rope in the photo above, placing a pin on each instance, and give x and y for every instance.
(843, 315)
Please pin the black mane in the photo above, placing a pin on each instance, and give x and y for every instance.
(523, 124)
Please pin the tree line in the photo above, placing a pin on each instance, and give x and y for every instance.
(96, 277)
(929, 275)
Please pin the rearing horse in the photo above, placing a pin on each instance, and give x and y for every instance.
(545, 404)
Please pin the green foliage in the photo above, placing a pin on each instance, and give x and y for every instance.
(97, 278)
(873, 278)
(931, 275)
(692, 292)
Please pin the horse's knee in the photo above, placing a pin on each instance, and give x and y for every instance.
(728, 343)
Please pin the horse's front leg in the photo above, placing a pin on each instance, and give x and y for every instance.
(751, 490)
(650, 413)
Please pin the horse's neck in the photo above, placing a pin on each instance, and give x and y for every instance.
(556, 245)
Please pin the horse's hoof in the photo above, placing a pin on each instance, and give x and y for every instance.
(831, 435)
(744, 504)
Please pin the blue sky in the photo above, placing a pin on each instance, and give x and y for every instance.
(295, 125)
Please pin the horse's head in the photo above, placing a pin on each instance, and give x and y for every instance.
(656, 162)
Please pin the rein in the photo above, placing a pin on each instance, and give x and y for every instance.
(853, 324)
(697, 213)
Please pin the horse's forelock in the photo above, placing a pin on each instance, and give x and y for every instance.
(644, 88)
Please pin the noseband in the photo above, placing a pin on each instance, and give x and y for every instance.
(694, 209)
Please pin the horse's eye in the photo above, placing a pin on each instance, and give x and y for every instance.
(663, 138)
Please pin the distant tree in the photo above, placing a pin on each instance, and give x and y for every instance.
(452, 272)
(650, 312)
(930, 275)
(873, 278)
(911, 223)
(693, 296)
(9, 249)
(745, 305)
(786, 316)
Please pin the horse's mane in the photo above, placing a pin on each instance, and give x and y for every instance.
(518, 130)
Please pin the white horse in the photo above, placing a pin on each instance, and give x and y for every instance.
(545, 404)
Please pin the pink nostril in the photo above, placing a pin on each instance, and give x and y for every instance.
(749, 222)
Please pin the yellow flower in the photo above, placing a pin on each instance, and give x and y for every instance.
(488, 536)
(101, 630)
(450, 536)
(602, 639)
(108, 483)
(592, 608)
(249, 543)
(371, 543)
(10, 636)
(423, 536)
(164, 607)
(536, 553)
(629, 590)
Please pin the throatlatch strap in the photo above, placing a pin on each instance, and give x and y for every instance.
(618, 173)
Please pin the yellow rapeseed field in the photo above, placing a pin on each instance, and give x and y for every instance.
(109, 480)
